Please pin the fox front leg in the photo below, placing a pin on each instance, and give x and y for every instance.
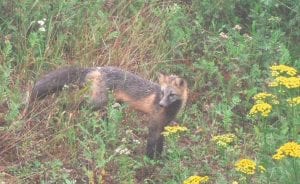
(155, 141)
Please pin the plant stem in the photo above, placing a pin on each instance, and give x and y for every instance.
(295, 169)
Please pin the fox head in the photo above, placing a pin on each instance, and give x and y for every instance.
(173, 89)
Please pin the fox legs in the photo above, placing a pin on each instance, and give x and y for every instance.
(99, 92)
(155, 140)
(152, 143)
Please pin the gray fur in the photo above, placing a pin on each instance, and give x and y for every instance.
(117, 79)
(57, 79)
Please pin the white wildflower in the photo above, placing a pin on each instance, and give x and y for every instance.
(247, 36)
(66, 86)
(123, 140)
(116, 105)
(122, 150)
(237, 27)
(224, 35)
(42, 29)
(41, 22)
(128, 132)
(136, 141)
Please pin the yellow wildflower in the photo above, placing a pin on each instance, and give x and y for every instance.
(224, 140)
(290, 149)
(173, 129)
(294, 101)
(278, 156)
(263, 108)
(245, 166)
(288, 82)
(262, 97)
(196, 180)
(273, 84)
(276, 70)
(235, 182)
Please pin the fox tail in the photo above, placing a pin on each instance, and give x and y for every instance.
(56, 80)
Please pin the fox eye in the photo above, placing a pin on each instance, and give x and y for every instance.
(172, 95)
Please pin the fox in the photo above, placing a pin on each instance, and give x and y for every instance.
(160, 101)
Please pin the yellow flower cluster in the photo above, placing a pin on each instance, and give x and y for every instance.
(291, 149)
(245, 166)
(261, 108)
(288, 82)
(264, 100)
(173, 129)
(294, 101)
(261, 105)
(196, 180)
(283, 69)
(224, 140)
(262, 97)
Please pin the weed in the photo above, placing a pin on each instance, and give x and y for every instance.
(223, 48)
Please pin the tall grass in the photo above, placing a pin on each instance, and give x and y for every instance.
(223, 48)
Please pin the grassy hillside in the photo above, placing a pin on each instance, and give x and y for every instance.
(240, 58)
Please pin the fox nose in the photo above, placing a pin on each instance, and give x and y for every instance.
(162, 104)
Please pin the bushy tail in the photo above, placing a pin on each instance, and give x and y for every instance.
(56, 80)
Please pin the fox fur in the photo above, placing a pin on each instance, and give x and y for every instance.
(160, 101)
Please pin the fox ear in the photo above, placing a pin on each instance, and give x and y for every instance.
(161, 78)
(180, 82)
